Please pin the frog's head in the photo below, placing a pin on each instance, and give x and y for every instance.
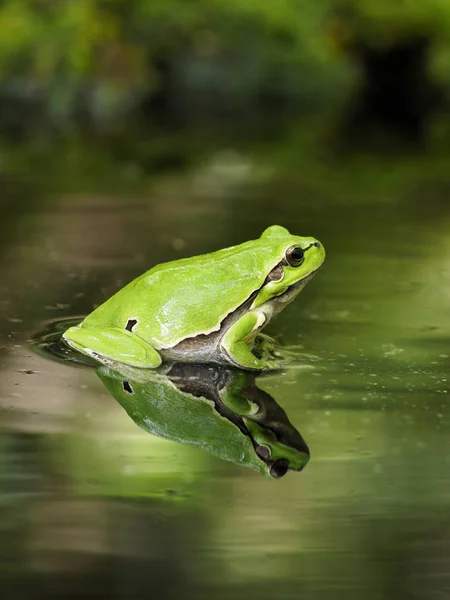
(298, 259)
(279, 446)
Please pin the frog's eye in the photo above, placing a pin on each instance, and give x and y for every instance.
(295, 256)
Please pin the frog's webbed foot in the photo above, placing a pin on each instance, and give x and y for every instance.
(265, 347)
(112, 344)
(235, 346)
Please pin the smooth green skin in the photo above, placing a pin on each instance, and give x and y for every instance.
(159, 405)
(190, 297)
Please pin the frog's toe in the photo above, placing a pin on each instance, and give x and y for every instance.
(71, 338)
(272, 365)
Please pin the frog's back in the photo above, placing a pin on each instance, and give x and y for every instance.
(188, 297)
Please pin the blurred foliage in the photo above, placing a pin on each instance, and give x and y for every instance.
(100, 60)
(382, 21)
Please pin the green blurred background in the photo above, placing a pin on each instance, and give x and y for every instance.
(134, 132)
(115, 70)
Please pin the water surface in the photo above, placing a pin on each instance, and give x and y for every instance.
(93, 505)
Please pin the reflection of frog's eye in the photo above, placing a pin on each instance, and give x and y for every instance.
(279, 468)
(295, 256)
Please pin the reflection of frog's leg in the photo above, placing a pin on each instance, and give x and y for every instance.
(113, 343)
(234, 397)
(235, 346)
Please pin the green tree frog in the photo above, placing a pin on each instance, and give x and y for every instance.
(207, 308)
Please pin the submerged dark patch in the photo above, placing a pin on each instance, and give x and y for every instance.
(127, 387)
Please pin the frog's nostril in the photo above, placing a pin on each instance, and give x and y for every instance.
(316, 244)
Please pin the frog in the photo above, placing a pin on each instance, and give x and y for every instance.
(203, 309)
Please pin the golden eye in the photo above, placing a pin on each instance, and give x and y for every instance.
(295, 256)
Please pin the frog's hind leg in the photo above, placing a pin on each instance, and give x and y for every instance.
(114, 344)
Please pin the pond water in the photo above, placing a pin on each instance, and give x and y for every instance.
(93, 505)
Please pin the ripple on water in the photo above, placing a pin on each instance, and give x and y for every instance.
(48, 343)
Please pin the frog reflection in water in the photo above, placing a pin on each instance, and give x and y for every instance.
(207, 308)
(218, 409)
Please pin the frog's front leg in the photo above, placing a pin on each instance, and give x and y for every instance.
(235, 396)
(234, 342)
(113, 343)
